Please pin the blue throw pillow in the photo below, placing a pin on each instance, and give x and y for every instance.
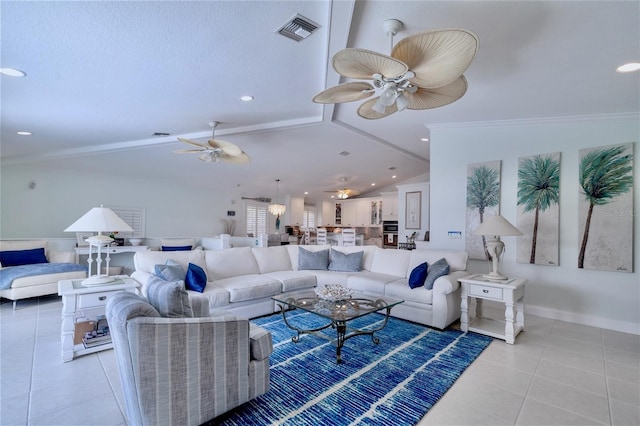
(22, 257)
(176, 248)
(196, 279)
(345, 262)
(435, 271)
(313, 260)
(418, 275)
(170, 271)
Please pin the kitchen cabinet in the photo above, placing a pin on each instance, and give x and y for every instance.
(296, 211)
(390, 205)
(349, 213)
(328, 213)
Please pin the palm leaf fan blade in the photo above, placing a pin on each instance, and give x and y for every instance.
(190, 142)
(437, 57)
(226, 147)
(346, 92)
(366, 110)
(363, 64)
(434, 98)
(243, 158)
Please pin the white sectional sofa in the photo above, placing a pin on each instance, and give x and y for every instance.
(242, 280)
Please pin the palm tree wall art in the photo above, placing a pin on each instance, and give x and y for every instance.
(606, 208)
(538, 209)
(483, 199)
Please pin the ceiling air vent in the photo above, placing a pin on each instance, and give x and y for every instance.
(298, 28)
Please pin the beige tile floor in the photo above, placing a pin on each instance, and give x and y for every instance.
(557, 373)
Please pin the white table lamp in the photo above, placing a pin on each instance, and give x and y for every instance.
(99, 219)
(493, 227)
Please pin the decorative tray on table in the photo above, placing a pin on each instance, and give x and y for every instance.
(333, 292)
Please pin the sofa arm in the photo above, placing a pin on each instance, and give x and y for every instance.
(448, 283)
(261, 342)
(56, 256)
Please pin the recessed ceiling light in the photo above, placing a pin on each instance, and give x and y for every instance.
(373, 184)
(23, 133)
(630, 67)
(424, 139)
(12, 72)
(246, 98)
(306, 192)
(394, 176)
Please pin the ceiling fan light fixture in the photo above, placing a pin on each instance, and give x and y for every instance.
(401, 102)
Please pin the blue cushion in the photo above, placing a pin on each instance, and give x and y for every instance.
(435, 271)
(345, 262)
(196, 279)
(170, 298)
(170, 271)
(418, 275)
(22, 257)
(176, 248)
(313, 260)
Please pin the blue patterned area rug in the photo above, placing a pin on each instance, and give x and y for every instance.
(394, 382)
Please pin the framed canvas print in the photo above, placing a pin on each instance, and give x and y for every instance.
(605, 208)
(483, 199)
(413, 210)
(539, 209)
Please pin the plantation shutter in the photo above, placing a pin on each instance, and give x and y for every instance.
(309, 219)
(256, 219)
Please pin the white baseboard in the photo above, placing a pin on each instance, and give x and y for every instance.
(592, 321)
(609, 324)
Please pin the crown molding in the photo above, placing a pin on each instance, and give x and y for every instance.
(537, 121)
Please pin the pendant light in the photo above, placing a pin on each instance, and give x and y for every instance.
(275, 208)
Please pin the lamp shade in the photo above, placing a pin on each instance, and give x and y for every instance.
(99, 219)
(496, 225)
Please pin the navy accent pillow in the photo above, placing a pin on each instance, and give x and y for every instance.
(176, 248)
(313, 260)
(170, 271)
(435, 271)
(196, 279)
(418, 275)
(22, 257)
(345, 262)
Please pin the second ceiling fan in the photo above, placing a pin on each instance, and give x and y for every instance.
(215, 150)
(424, 71)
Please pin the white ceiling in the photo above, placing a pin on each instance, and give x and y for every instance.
(102, 77)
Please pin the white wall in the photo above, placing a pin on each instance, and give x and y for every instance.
(599, 298)
(59, 198)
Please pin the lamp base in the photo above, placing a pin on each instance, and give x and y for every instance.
(98, 280)
(495, 276)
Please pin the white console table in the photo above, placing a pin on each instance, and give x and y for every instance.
(510, 292)
(108, 251)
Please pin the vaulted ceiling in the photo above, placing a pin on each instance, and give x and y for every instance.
(103, 77)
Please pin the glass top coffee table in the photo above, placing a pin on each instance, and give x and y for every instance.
(338, 313)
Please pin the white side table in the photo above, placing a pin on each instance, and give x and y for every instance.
(79, 301)
(510, 292)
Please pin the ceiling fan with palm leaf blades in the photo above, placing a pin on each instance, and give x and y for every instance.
(424, 71)
(344, 193)
(215, 150)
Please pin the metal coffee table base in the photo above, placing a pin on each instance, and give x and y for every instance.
(343, 332)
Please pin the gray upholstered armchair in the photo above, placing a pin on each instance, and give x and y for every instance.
(185, 371)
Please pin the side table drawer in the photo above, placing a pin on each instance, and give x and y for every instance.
(94, 299)
(484, 291)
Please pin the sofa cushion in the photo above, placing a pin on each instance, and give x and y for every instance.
(230, 262)
(391, 262)
(368, 252)
(400, 289)
(272, 259)
(249, 287)
(217, 296)
(146, 261)
(456, 259)
(370, 282)
(170, 271)
(196, 278)
(294, 280)
(23, 257)
(313, 260)
(418, 275)
(345, 262)
(332, 277)
(170, 298)
(435, 271)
